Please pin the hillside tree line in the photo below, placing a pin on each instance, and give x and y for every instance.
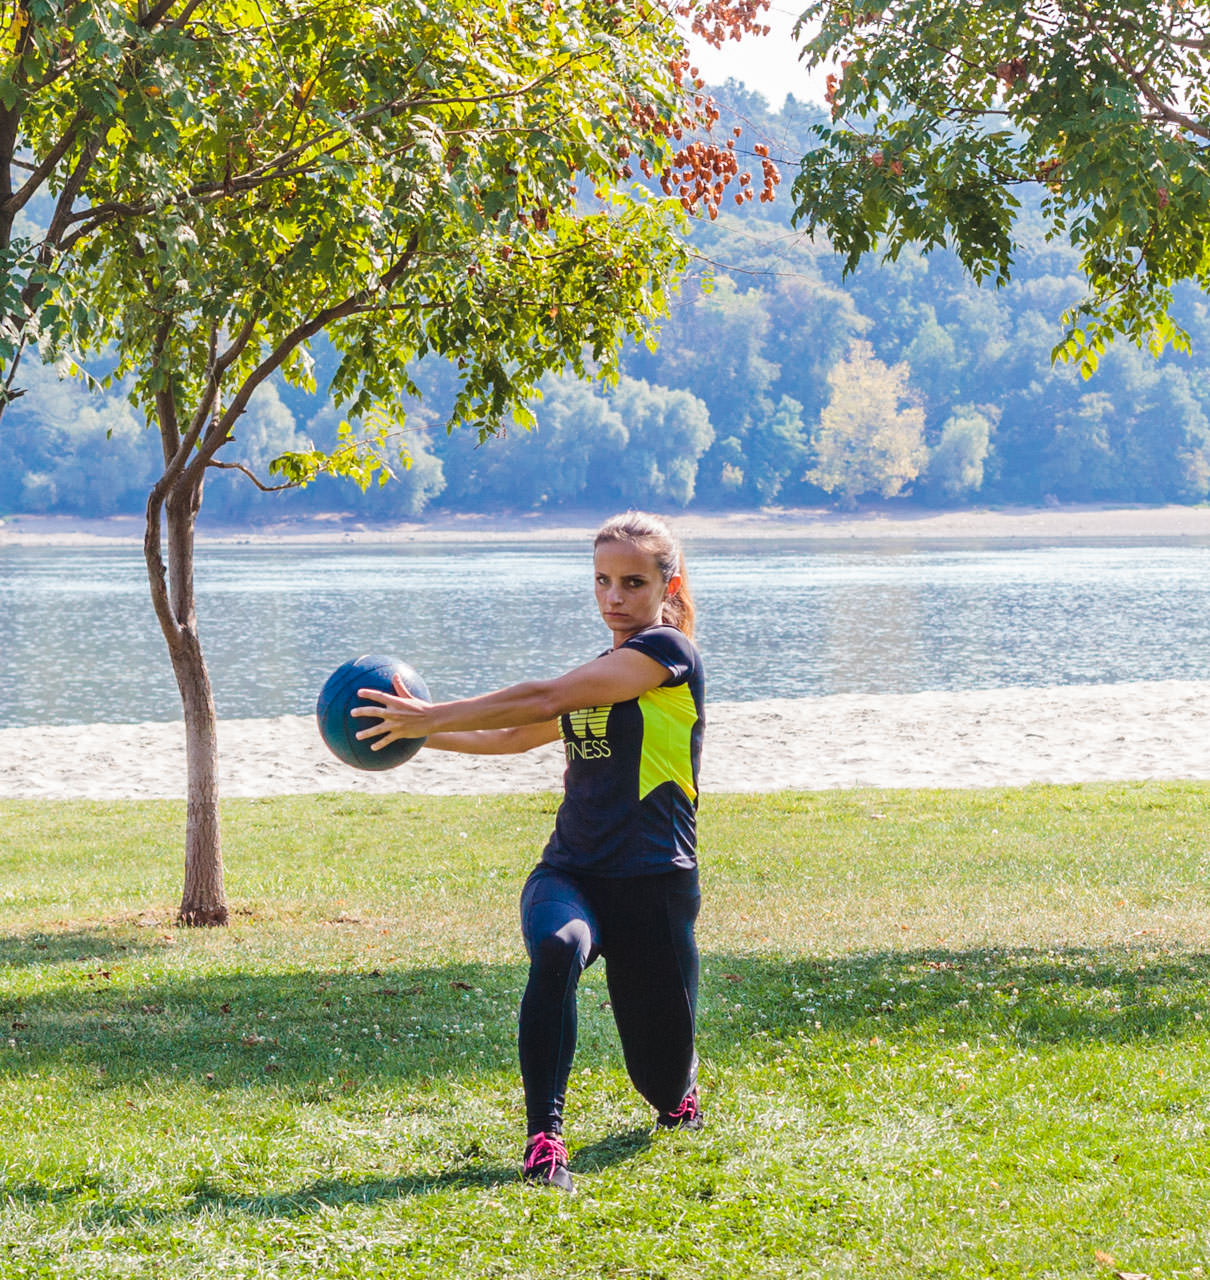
(778, 379)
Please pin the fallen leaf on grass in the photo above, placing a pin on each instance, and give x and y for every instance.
(459, 985)
(1131, 1275)
(1104, 1259)
(733, 977)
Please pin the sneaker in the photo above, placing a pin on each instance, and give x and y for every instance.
(546, 1161)
(687, 1116)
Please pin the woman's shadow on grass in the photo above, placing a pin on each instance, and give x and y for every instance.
(335, 1193)
(339, 1193)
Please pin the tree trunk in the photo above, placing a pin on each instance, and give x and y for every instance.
(203, 900)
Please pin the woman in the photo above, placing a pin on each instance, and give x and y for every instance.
(618, 877)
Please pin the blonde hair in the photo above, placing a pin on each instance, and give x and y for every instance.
(650, 534)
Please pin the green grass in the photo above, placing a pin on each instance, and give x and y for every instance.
(943, 1034)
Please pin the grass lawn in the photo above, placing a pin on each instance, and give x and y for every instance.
(943, 1034)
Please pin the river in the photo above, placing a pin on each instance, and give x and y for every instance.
(79, 642)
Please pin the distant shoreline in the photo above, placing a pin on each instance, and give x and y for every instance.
(809, 524)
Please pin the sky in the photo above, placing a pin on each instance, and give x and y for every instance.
(768, 65)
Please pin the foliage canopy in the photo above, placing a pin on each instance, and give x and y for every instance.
(230, 179)
(945, 114)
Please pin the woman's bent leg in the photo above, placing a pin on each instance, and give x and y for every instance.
(652, 968)
(560, 935)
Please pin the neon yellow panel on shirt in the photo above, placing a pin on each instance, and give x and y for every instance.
(669, 715)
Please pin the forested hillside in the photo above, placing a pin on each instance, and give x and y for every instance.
(776, 381)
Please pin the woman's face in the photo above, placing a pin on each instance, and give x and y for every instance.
(630, 588)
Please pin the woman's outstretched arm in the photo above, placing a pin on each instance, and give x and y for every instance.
(613, 677)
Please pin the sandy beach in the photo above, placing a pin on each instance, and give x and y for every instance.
(1003, 737)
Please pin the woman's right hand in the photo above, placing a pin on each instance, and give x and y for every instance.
(399, 715)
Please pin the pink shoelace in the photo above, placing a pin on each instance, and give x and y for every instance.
(546, 1149)
(686, 1111)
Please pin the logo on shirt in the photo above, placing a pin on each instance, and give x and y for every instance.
(587, 739)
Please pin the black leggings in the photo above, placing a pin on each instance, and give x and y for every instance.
(643, 926)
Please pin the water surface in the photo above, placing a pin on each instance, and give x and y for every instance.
(79, 642)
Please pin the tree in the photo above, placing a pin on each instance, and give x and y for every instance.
(871, 433)
(633, 443)
(943, 112)
(814, 324)
(234, 181)
(955, 465)
(726, 326)
(775, 451)
(667, 433)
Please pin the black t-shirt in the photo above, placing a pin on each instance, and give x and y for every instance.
(630, 788)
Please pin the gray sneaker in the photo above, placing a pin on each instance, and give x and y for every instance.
(546, 1161)
(687, 1116)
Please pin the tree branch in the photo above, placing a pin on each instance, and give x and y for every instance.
(210, 390)
(185, 14)
(9, 394)
(241, 340)
(220, 429)
(1141, 83)
(28, 189)
(260, 484)
(157, 571)
(152, 17)
(216, 366)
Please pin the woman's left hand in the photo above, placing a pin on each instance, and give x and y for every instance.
(400, 715)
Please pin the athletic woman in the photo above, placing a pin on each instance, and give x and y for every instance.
(618, 877)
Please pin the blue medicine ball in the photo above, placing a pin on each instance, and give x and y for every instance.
(339, 696)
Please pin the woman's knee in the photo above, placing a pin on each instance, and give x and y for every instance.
(567, 948)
